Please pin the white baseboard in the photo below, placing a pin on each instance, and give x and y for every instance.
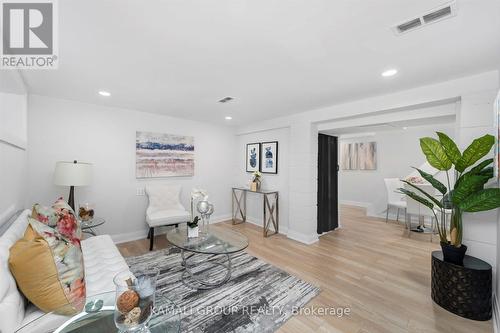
(142, 234)
(496, 314)
(258, 222)
(129, 236)
(355, 203)
(302, 238)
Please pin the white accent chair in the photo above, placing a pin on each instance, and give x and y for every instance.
(164, 208)
(394, 199)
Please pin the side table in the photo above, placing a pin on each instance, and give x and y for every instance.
(463, 290)
(88, 226)
(270, 201)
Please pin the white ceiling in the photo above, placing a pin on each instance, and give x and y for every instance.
(275, 57)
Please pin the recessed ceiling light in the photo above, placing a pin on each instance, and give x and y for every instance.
(228, 117)
(390, 72)
(104, 93)
(405, 128)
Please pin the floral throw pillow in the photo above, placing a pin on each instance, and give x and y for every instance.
(61, 217)
(47, 262)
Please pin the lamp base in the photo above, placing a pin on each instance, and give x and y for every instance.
(71, 199)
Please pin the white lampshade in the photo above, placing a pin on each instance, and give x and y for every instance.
(72, 173)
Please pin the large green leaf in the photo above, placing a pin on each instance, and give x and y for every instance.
(487, 172)
(418, 198)
(433, 181)
(450, 147)
(435, 154)
(476, 150)
(434, 200)
(478, 168)
(481, 201)
(467, 185)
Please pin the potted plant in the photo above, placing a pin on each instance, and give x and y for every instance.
(256, 181)
(468, 193)
(192, 228)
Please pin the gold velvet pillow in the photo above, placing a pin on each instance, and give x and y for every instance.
(47, 264)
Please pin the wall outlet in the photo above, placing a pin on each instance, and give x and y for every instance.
(140, 191)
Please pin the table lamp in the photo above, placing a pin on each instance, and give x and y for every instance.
(72, 174)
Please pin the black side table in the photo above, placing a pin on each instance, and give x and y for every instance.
(463, 290)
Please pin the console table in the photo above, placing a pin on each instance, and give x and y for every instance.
(271, 208)
(464, 290)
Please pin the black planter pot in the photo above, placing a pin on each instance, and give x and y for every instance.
(452, 254)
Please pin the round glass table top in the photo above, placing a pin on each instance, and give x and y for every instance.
(217, 241)
(98, 316)
(95, 222)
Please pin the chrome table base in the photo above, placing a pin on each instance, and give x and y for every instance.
(201, 279)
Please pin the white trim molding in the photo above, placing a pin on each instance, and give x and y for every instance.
(302, 238)
(142, 234)
(496, 314)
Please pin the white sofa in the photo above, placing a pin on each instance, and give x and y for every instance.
(102, 261)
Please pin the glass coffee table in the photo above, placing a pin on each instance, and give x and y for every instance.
(208, 262)
(97, 317)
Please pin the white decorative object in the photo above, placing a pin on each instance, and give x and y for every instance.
(197, 194)
(206, 209)
(192, 232)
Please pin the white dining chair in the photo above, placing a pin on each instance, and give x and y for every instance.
(394, 199)
(164, 209)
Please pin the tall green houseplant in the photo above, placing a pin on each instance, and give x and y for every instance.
(468, 193)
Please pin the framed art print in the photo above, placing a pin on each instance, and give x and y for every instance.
(253, 157)
(269, 157)
(163, 155)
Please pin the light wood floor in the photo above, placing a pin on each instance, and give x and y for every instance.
(367, 265)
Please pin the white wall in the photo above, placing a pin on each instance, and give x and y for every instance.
(279, 181)
(13, 138)
(397, 151)
(476, 119)
(67, 130)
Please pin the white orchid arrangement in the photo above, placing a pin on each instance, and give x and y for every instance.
(197, 194)
(256, 175)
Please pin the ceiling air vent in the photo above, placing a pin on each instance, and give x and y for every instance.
(404, 27)
(437, 14)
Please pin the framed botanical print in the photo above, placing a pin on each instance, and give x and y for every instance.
(253, 157)
(269, 157)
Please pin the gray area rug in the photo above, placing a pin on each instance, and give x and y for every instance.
(259, 297)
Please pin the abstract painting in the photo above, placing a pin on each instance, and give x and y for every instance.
(163, 155)
(367, 155)
(349, 156)
(253, 157)
(269, 157)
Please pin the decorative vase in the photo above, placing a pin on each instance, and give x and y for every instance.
(192, 232)
(258, 183)
(253, 186)
(453, 254)
(135, 297)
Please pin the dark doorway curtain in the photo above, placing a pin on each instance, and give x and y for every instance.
(328, 213)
